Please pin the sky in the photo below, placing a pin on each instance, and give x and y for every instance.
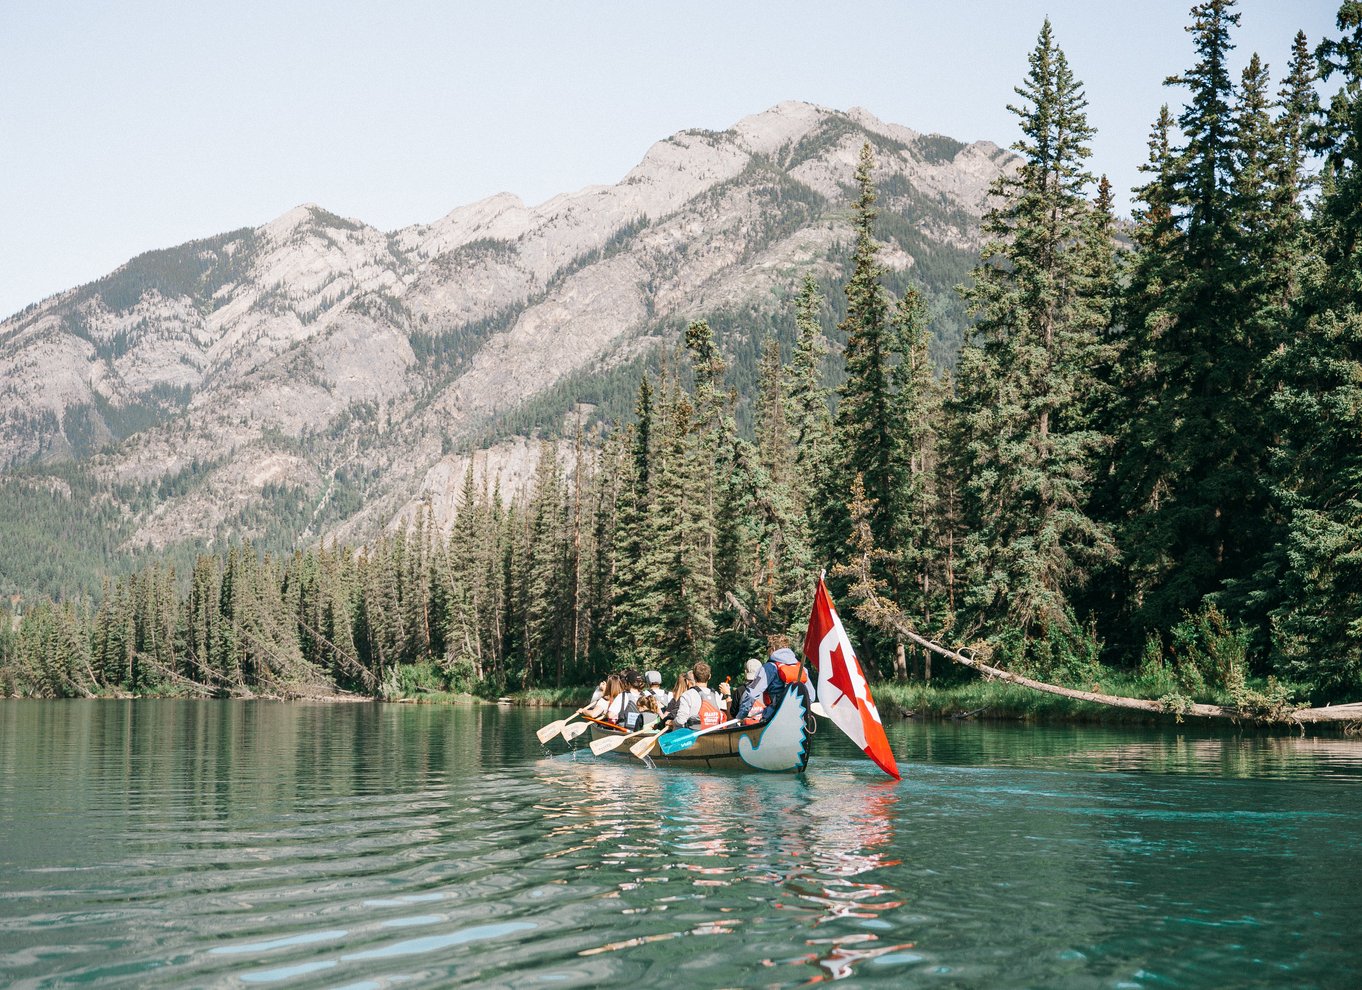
(130, 126)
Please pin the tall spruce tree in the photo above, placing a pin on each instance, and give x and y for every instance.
(545, 571)
(1027, 446)
(628, 631)
(866, 420)
(1317, 617)
(777, 573)
(918, 541)
(810, 417)
(1137, 459)
(675, 595)
(1192, 481)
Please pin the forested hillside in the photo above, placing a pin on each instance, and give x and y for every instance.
(1146, 460)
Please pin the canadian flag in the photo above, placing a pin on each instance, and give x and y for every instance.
(842, 688)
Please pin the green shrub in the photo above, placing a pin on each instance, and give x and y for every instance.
(1208, 654)
(1156, 678)
(460, 674)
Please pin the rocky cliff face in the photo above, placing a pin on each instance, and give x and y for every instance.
(318, 361)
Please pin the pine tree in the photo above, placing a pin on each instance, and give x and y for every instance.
(1317, 619)
(817, 464)
(609, 488)
(1298, 106)
(866, 418)
(203, 621)
(767, 504)
(775, 451)
(710, 452)
(1028, 450)
(544, 570)
(808, 406)
(630, 620)
(676, 591)
(918, 536)
(1194, 499)
(578, 554)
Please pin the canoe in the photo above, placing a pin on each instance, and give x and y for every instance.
(778, 746)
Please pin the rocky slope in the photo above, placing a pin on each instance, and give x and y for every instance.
(327, 372)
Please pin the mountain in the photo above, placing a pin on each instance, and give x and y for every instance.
(315, 376)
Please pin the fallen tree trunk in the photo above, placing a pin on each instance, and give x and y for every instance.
(886, 616)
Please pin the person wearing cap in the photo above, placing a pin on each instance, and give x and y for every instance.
(655, 688)
(781, 670)
(750, 690)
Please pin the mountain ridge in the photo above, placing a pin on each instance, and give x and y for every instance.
(317, 354)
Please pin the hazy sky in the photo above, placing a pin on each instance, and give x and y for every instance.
(130, 126)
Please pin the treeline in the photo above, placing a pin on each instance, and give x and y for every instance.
(1148, 458)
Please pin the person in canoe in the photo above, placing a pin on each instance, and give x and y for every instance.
(781, 669)
(699, 707)
(610, 705)
(752, 672)
(684, 683)
(655, 688)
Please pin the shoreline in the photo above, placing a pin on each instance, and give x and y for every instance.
(980, 701)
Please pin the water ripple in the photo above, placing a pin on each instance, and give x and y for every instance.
(386, 847)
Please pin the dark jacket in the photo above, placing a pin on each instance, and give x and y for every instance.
(769, 682)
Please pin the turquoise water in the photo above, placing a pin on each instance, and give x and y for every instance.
(165, 843)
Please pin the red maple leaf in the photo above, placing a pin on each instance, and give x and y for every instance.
(840, 677)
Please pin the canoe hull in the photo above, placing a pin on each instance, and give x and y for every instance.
(778, 746)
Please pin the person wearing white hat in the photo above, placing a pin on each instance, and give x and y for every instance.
(655, 688)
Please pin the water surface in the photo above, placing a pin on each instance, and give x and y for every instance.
(239, 844)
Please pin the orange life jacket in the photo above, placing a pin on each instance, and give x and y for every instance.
(709, 715)
(789, 673)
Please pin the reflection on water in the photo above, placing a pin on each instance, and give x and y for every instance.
(201, 843)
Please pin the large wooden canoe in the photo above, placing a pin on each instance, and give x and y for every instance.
(778, 746)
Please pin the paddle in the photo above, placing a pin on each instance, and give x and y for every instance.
(573, 731)
(553, 728)
(643, 747)
(679, 739)
(608, 744)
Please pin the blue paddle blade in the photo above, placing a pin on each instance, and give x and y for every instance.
(676, 740)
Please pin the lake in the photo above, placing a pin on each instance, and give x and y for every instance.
(256, 844)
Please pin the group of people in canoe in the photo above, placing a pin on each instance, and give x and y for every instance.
(634, 700)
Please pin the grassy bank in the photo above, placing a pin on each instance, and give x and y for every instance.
(999, 701)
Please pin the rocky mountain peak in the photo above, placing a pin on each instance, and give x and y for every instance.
(309, 376)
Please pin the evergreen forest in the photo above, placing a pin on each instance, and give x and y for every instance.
(1147, 458)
